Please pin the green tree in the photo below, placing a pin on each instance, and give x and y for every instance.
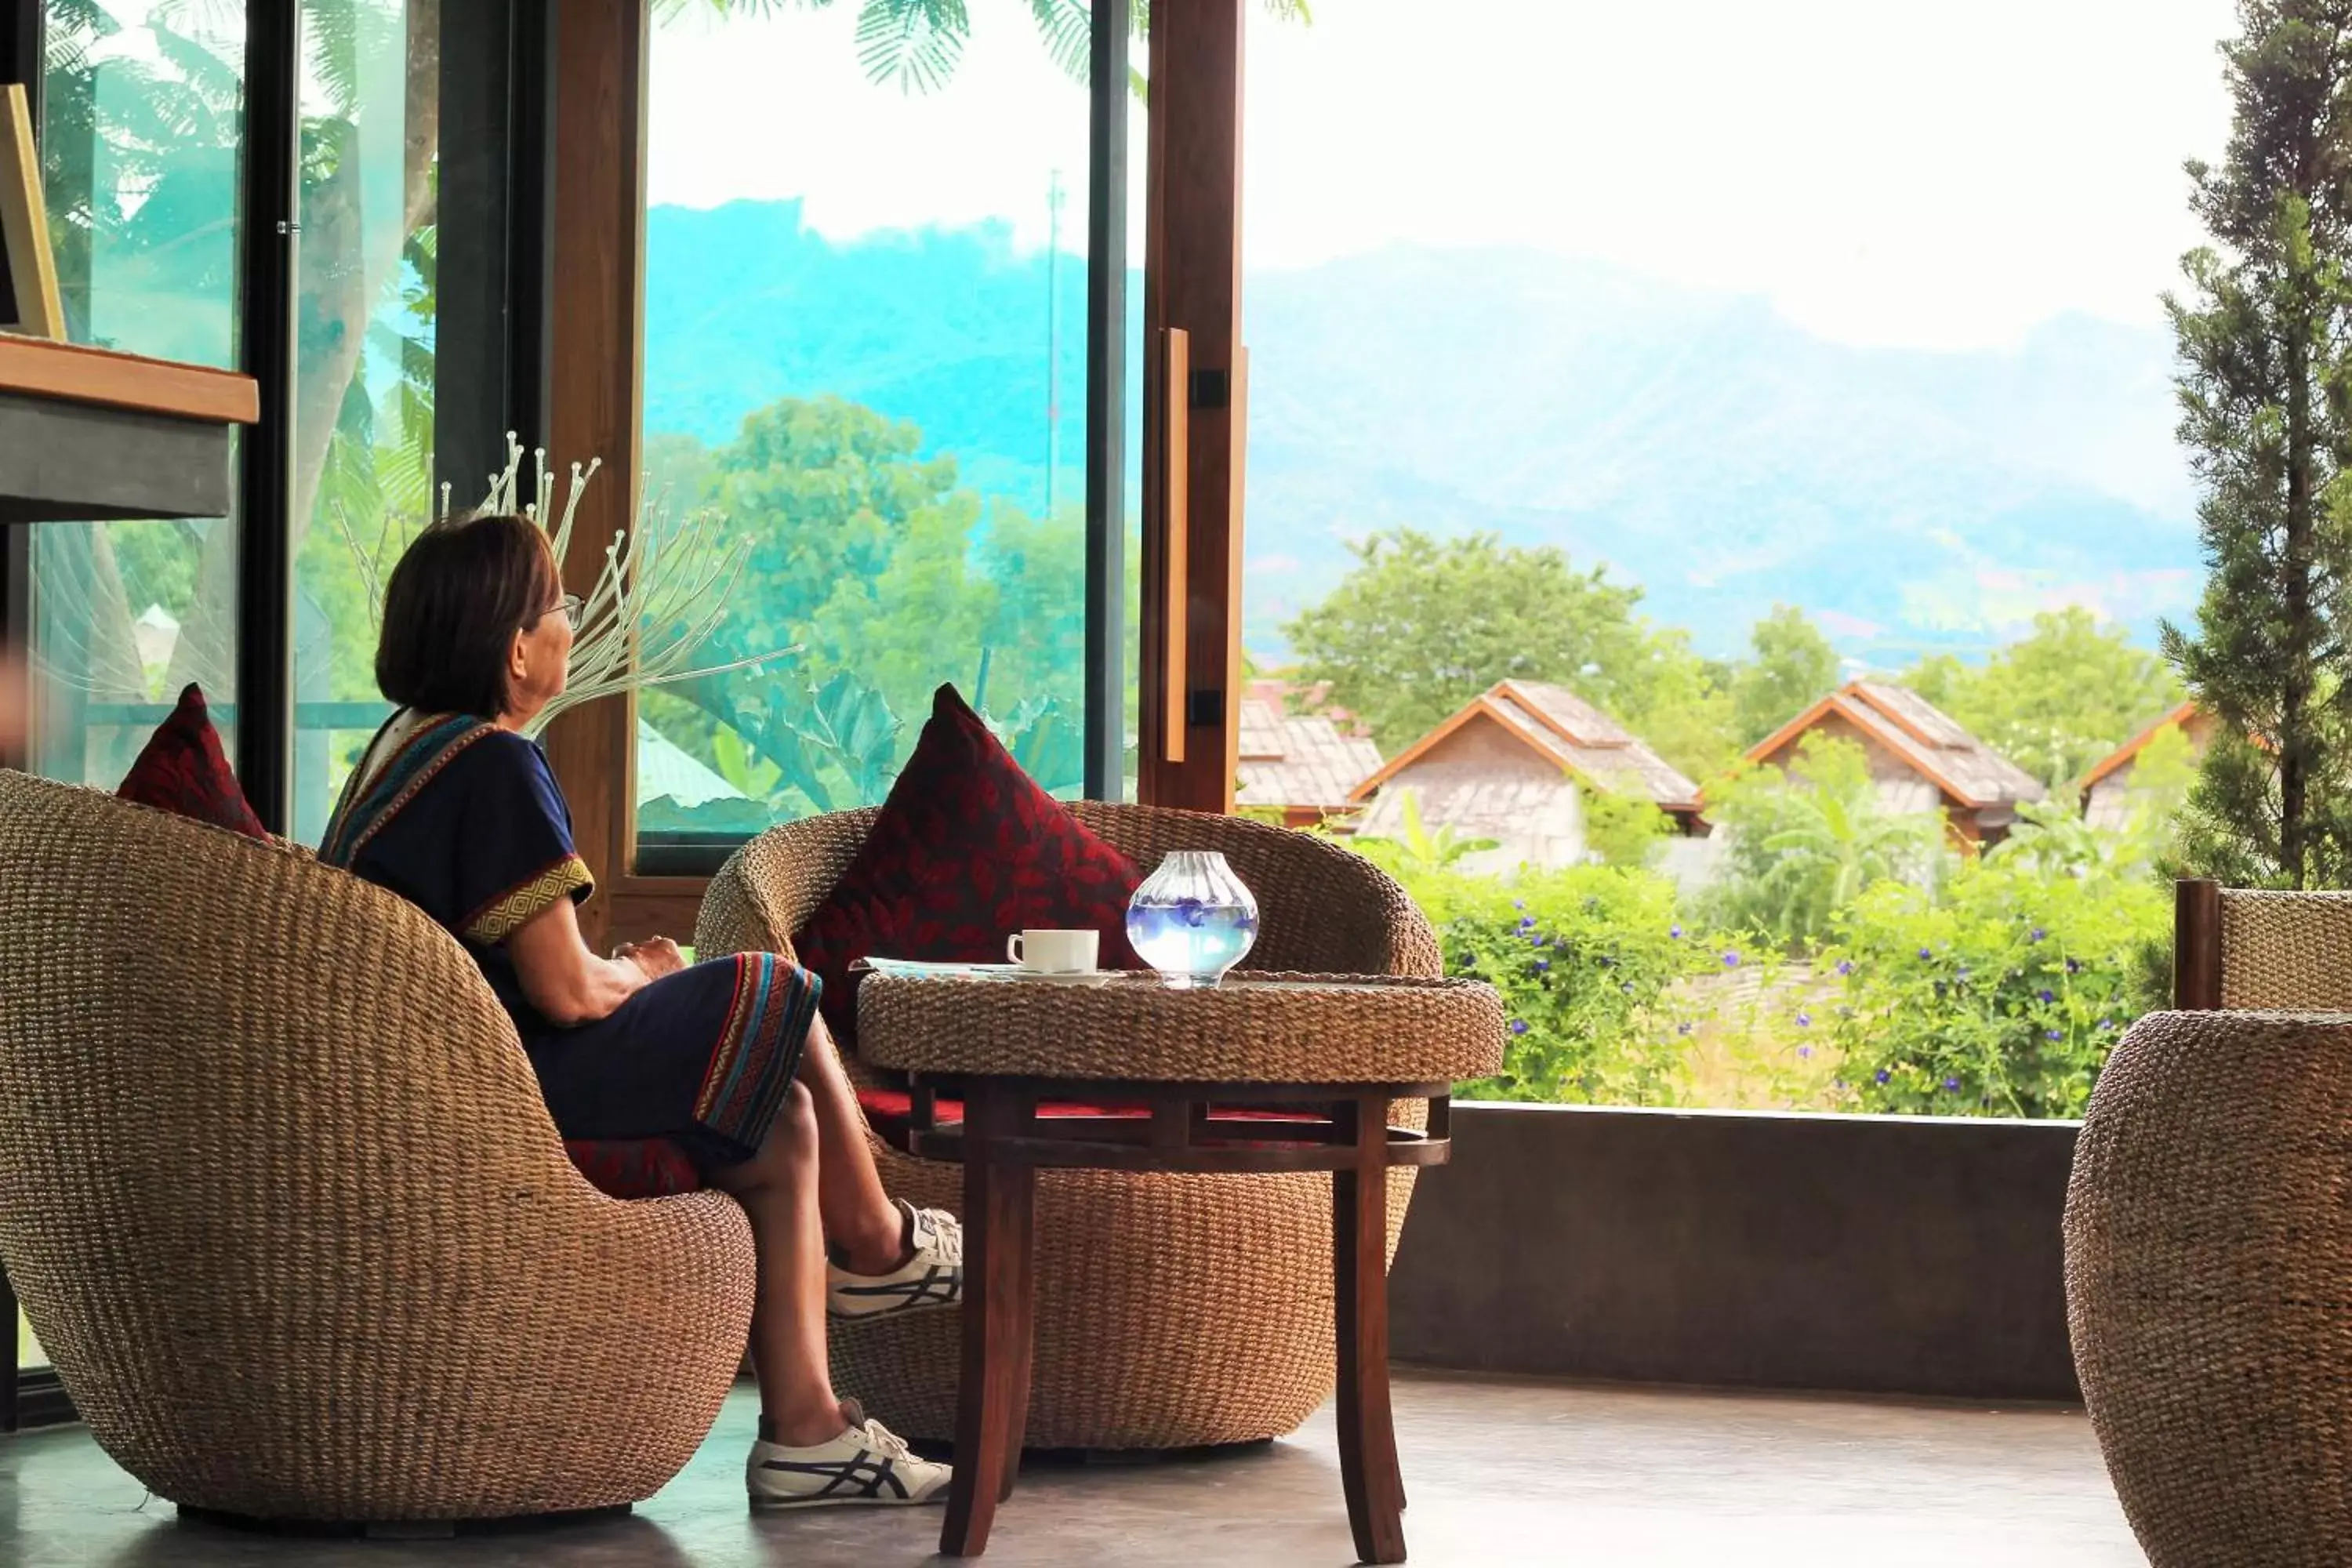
(1421, 624)
(2266, 415)
(1625, 830)
(1802, 845)
(2057, 700)
(1794, 666)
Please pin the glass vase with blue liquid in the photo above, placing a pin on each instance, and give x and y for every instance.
(1191, 920)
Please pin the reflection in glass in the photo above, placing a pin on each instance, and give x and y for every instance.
(141, 120)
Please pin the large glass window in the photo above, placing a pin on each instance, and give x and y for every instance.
(141, 138)
(363, 395)
(1766, 450)
(866, 355)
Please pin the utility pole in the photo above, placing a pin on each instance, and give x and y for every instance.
(1053, 338)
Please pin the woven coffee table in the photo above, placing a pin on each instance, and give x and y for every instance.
(1263, 1074)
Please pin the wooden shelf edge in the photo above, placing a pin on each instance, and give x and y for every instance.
(71, 373)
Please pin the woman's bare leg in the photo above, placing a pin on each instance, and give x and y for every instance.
(860, 1221)
(777, 1188)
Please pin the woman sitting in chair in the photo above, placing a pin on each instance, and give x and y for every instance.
(454, 810)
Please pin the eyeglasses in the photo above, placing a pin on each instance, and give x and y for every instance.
(571, 605)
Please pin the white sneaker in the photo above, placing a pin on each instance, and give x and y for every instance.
(933, 1276)
(867, 1464)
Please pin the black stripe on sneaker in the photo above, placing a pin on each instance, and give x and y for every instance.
(866, 1475)
(937, 1288)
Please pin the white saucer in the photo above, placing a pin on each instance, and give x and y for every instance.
(914, 968)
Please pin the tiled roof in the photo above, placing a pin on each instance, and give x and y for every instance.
(1597, 746)
(1298, 759)
(1561, 725)
(2188, 716)
(1924, 736)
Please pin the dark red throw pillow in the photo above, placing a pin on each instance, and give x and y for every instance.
(182, 770)
(966, 851)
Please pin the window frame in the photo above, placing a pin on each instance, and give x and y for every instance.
(498, 349)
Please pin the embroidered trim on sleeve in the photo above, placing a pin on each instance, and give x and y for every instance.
(510, 911)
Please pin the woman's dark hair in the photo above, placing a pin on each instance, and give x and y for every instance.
(456, 600)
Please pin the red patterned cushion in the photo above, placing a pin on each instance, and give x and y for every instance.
(634, 1168)
(182, 770)
(966, 851)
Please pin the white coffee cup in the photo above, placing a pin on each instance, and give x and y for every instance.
(1053, 952)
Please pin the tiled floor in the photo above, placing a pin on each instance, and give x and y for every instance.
(1499, 1472)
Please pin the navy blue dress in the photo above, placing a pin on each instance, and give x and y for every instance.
(466, 821)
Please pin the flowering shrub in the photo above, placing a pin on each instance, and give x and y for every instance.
(2001, 998)
(1585, 959)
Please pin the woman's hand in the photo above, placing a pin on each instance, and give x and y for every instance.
(656, 956)
(564, 980)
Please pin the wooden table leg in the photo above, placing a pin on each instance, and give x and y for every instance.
(1368, 1456)
(993, 1398)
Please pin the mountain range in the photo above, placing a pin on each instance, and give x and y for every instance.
(1700, 444)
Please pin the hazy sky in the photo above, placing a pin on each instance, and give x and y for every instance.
(1888, 170)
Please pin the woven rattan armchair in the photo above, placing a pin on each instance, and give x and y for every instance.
(2208, 1245)
(286, 1209)
(1173, 1311)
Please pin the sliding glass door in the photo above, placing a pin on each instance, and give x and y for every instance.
(868, 342)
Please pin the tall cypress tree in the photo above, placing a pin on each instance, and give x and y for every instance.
(2265, 390)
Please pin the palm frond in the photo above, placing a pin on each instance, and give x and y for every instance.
(915, 44)
(1067, 28)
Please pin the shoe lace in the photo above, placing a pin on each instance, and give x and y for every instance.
(947, 1236)
(881, 1440)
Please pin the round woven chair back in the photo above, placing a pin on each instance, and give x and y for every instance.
(253, 1112)
(1321, 909)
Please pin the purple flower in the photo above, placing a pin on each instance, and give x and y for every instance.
(1543, 966)
(2073, 966)
(2054, 1034)
(1682, 1029)
(2106, 1023)
(1604, 960)
(1526, 922)
(2047, 994)
(1804, 1020)
(2036, 935)
(1952, 1084)
(1626, 988)
(1674, 931)
(1519, 903)
(1804, 1050)
(1519, 1025)
(1845, 967)
(1730, 958)
(1883, 1075)
(1927, 952)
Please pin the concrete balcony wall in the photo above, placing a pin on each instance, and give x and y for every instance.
(1882, 1255)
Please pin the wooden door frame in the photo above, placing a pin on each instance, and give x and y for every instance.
(595, 290)
(1192, 284)
(596, 372)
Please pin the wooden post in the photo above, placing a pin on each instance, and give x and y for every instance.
(596, 283)
(2196, 946)
(1193, 285)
